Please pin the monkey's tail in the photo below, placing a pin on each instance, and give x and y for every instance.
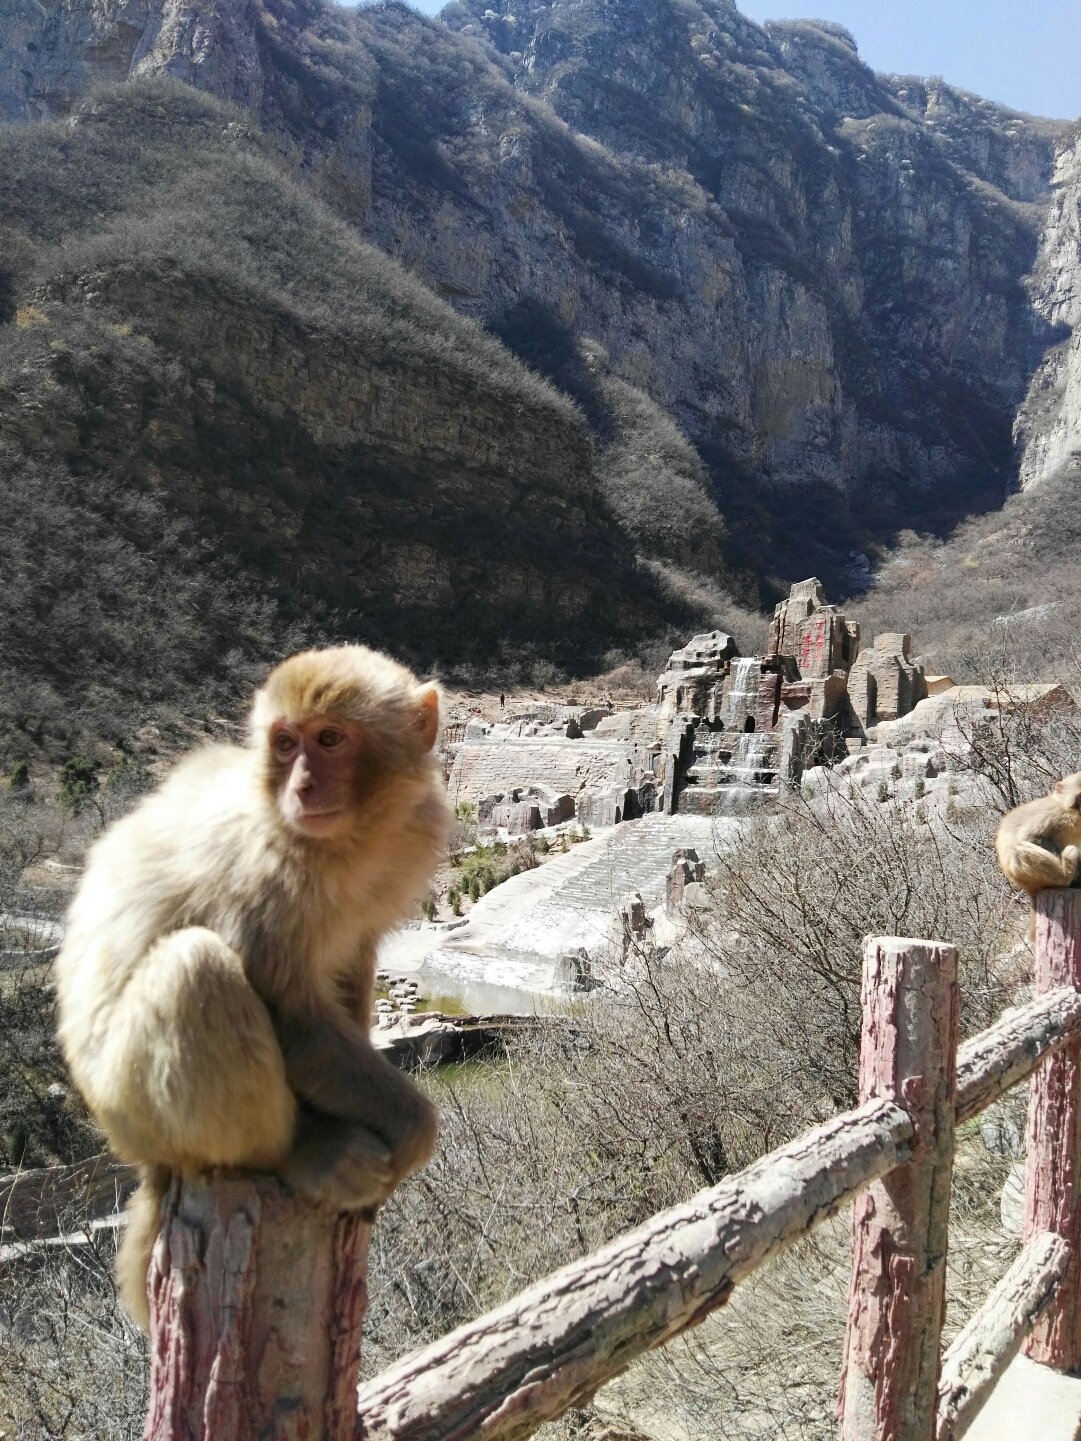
(137, 1242)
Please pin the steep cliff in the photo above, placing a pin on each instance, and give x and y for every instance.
(815, 271)
(1048, 428)
(790, 298)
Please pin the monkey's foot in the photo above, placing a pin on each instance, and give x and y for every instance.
(341, 1165)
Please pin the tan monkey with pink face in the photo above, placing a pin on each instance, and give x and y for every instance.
(1039, 844)
(215, 981)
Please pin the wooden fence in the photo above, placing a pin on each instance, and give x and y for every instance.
(257, 1302)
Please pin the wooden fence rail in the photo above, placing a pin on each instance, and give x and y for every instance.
(221, 1322)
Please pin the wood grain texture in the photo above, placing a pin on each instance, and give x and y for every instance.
(911, 1016)
(1053, 1140)
(256, 1304)
(1010, 1050)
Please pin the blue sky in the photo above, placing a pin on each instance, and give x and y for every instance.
(1027, 55)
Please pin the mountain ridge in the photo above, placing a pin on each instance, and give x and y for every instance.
(796, 307)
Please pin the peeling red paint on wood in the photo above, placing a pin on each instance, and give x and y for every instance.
(1053, 1168)
(1010, 1050)
(256, 1304)
(911, 1010)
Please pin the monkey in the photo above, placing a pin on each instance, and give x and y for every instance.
(215, 980)
(1039, 844)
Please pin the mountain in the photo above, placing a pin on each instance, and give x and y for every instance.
(674, 297)
(228, 426)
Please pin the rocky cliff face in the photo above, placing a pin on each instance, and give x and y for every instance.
(1048, 428)
(813, 276)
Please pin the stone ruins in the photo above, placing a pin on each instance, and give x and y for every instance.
(725, 732)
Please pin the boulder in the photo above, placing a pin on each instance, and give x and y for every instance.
(885, 683)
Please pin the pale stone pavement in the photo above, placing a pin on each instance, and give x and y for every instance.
(1030, 1403)
(514, 936)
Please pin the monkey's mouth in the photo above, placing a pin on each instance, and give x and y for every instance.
(317, 822)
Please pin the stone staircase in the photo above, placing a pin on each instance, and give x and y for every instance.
(517, 934)
(636, 856)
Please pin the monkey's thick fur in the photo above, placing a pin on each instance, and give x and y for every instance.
(1039, 844)
(215, 981)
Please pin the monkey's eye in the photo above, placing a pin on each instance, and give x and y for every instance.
(328, 739)
(283, 744)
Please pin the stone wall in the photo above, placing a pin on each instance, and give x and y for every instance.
(490, 767)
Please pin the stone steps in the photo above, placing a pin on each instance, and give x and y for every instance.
(720, 775)
(636, 856)
(516, 935)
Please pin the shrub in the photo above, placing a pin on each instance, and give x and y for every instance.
(78, 782)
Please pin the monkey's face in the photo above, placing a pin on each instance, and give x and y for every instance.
(1068, 791)
(314, 764)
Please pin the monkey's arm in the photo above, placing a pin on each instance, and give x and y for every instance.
(1034, 867)
(332, 1066)
(357, 990)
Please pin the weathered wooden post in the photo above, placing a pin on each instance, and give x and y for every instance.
(911, 1015)
(256, 1300)
(1053, 1167)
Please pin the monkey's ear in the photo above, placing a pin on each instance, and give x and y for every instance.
(428, 717)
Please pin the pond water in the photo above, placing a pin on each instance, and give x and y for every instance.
(459, 995)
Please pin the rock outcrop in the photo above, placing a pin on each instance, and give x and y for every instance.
(1048, 427)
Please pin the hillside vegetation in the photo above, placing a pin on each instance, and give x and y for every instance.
(229, 428)
(1001, 596)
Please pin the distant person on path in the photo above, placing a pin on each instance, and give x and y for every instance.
(502, 701)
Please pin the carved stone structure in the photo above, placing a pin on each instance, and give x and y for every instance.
(804, 598)
(726, 731)
(885, 683)
(636, 927)
(618, 803)
(525, 808)
(687, 870)
(694, 678)
(813, 634)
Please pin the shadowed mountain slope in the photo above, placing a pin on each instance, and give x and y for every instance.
(227, 426)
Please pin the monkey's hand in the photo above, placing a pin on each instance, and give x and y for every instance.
(334, 1070)
(1071, 864)
(339, 1164)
